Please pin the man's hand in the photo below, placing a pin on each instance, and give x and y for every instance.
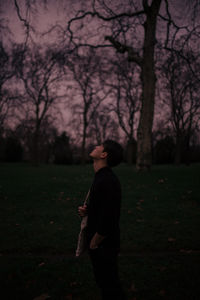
(96, 240)
(82, 211)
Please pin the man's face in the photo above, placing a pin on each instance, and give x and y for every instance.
(98, 152)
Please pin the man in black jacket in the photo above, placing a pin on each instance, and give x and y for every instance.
(103, 213)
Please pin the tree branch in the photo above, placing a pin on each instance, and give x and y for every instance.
(26, 23)
(98, 15)
(132, 55)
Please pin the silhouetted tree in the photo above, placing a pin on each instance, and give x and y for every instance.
(103, 126)
(184, 102)
(40, 77)
(121, 25)
(13, 149)
(164, 150)
(131, 28)
(6, 96)
(2, 148)
(90, 92)
(126, 101)
(25, 131)
(61, 150)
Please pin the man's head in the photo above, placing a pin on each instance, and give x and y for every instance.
(110, 151)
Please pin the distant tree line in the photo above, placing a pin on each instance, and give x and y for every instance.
(58, 149)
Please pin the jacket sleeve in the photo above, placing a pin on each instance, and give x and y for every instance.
(109, 208)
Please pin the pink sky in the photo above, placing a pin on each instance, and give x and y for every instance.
(58, 12)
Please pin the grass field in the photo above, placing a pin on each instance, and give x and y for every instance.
(160, 240)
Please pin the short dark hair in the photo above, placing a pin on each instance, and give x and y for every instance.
(115, 152)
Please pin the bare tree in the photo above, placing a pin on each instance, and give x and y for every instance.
(103, 126)
(40, 76)
(25, 131)
(184, 102)
(90, 93)
(6, 97)
(131, 28)
(126, 99)
(121, 27)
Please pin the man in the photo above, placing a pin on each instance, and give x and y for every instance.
(103, 213)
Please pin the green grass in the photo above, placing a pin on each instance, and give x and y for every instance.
(160, 221)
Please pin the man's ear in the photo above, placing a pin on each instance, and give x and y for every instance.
(104, 154)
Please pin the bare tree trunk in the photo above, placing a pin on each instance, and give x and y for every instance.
(131, 151)
(83, 160)
(85, 124)
(178, 150)
(35, 149)
(182, 149)
(187, 149)
(144, 153)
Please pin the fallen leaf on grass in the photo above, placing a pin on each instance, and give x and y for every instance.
(29, 283)
(162, 269)
(171, 239)
(140, 202)
(42, 297)
(140, 220)
(133, 288)
(187, 251)
(69, 297)
(41, 264)
(162, 292)
(189, 192)
(74, 283)
(161, 180)
(176, 222)
(139, 208)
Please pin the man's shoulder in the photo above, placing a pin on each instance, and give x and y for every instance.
(109, 179)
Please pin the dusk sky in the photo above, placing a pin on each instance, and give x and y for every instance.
(45, 15)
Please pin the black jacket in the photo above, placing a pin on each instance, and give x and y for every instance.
(104, 208)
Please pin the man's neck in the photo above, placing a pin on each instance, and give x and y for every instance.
(99, 164)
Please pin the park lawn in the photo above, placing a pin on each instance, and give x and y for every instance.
(160, 218)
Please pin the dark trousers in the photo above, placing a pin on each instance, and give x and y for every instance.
(105, 267)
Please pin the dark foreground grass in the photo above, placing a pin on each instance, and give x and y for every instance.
(160, 221)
